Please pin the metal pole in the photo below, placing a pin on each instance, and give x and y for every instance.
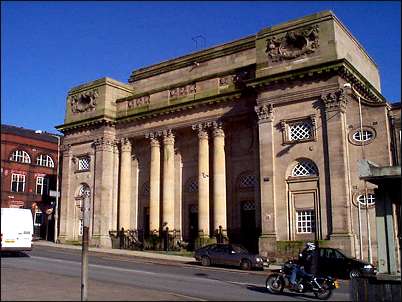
(84, 259)
(369, 252)
(56, 208)
(370, 258)
(358, 201)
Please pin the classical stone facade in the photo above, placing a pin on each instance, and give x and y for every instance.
(260, 136)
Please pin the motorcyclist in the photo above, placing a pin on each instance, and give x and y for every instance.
(304, 265)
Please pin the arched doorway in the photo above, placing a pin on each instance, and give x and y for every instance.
(82, 191)
(303, 200)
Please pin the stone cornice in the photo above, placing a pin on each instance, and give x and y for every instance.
(188, 60)
(341, 67)
(181, 107)
(185, 82)
(98, 83)
(91, 122)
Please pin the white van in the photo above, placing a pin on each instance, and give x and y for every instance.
(16, 229)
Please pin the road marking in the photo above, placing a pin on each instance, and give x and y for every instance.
(159, 274)
(244, 283)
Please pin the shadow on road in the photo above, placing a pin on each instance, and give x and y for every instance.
(262, 289)
(13, 254)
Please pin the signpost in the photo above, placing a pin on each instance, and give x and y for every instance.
(85, 237)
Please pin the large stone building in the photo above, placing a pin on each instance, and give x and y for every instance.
(260, 136)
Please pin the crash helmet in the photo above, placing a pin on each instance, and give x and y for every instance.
(310, 246)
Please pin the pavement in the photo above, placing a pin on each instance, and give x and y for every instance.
(142, 254)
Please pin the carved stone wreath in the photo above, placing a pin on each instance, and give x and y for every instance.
(83, 102)
(293, 44)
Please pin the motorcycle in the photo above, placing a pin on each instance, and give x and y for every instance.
(321, 286)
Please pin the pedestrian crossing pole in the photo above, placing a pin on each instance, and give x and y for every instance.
(85, 235)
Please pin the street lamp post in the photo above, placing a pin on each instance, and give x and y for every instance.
(85, 241)
(56, 208)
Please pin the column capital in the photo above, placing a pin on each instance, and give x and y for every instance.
(335, 101)
(125, 144)
(202, 129)
(168, 137)
(154, 142)
(217, 129)
(265, 112)
(104, 144)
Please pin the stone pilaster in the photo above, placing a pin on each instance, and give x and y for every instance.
(267, 241)
(335, 108)
(203, 180)
(154, 183)
(168, 179)
(125, 184)
(66, 206)
(103, 191)
(219, 180)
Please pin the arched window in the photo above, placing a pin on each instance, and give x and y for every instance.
(21, 157)
(45, 160)
(83, 191)
(304, 167)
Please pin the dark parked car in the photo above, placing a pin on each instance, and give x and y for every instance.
(335, 263)
(229, 254)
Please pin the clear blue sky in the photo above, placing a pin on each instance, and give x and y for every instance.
(49, 47)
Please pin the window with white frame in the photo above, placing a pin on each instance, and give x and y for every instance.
(304, 168)
(17, 183)
(363, 135)
(299, 131)
(83, 163)
(21, 157)
(368, 200)
(38, 218)
(42, 185)
(305, 221)
(45, 160)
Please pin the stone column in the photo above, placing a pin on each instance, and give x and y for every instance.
(125, 184)
(103, 191)
(154, 183)
(219, 177)
(168, 179)
(67, 203)
(336, 130)
(268, 238)
(203, 180)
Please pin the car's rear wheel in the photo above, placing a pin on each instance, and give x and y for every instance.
(354, 273)
(205, 261)
(245, 264)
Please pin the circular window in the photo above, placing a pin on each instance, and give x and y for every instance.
(362, 136)
(366, 201)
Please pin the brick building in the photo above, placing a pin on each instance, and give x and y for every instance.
(260, 136)
(29, 174)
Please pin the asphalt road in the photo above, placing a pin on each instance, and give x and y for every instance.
(48, 273)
